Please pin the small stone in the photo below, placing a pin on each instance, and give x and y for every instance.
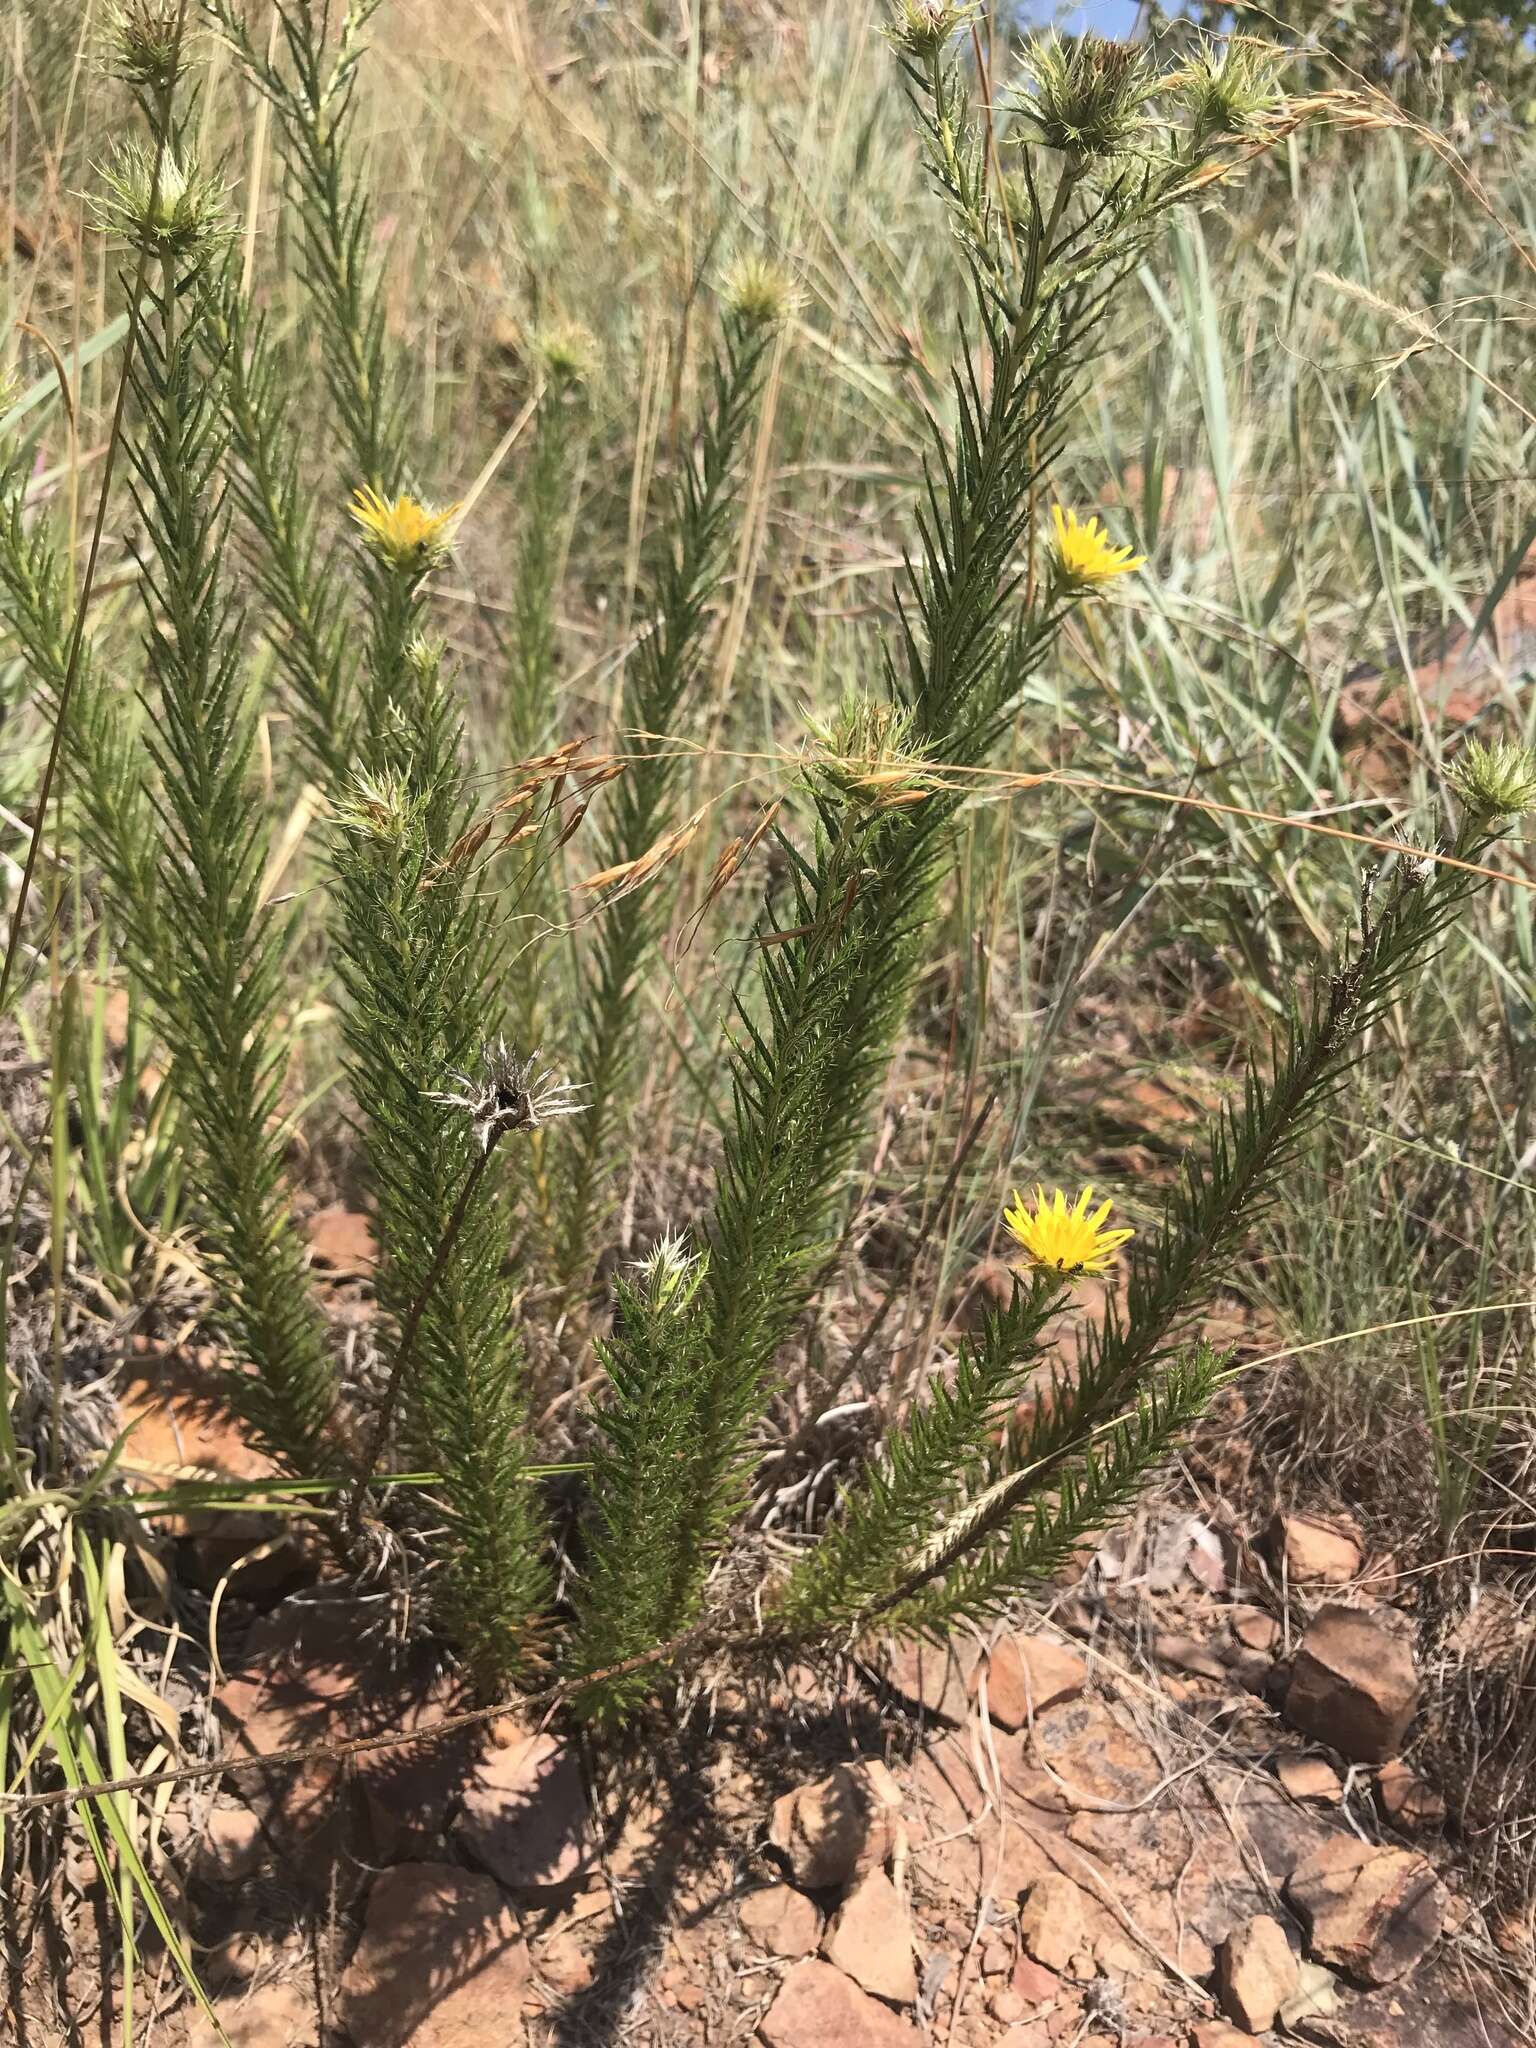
(1373, 1913)
(276, 2015)
(837, 1828)
(1052, 1923)
(689, 1997)
(1006, 2005)
(1026, 2034)
(524, 1816)
(1353, 1685)
(564, 1965)
(996, 1959)
(232, 1847)
(1316, 1551)
(927, 1676)
(1406, 1799)
(1035, 1984)
(1255, 1973)
(1028, 1675)
(1217, 2034)
(818, 2007)
(1187, 1653)
(1311, 1780)
(1254, 1629)
(781, 1921)
(870, 1940)
(441, 1963)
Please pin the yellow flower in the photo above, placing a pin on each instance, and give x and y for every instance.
(404, 534)
(1084, 555)
(1063, 1240)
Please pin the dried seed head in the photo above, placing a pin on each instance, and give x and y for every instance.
(162, 206)
(1496, 779)
(509, 1095)
(921, 28)
(1087, 96)
(758, 292)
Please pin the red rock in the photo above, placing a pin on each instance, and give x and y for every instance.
(870, 1940)
(837, 1828)
(441, 1963)
(1406, 1799)
(1255, 1629)
(406, 1792)
(1035, 1984)
(525, 1814)
(818, 2007)
(1374, 1913)
(1353, 1684)
(996, 1959)
(1006, 2005)
(781, 1921)
(1093, 1761)
(232, 1846)
(1311, 1780)
(1217, 2034)
(304, 1664)
(1187, 1653)
(1052, 1921)
(929, 1677)
(1255, 1973)
(1028, 1675)
(689, 1997)
(1315, 1551)
(276, 2015)
(1026, 2034)
(341, 1243)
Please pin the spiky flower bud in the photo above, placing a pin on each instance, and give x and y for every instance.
(162, 206)
(922, 27)
(758, 292)
(1495, 779)
(670, 1277)
(869, 753)
(1231, 93)
(1087, 96)
(567, 353)
(146, 43)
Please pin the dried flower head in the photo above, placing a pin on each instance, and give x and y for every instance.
(1085, 95)
(1231, 92)
(147, 41)
(1495, 779)
(403, 533)
(1063, 1240)
(1085, 557)
(162, 206)
(510, 1095)
(567, 352)
(921, 28)
(758, 292)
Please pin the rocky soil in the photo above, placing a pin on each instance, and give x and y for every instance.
(1159, 1814)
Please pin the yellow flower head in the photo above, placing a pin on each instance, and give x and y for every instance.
(403, 533)
(1084, 556)
(1063, 1240)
